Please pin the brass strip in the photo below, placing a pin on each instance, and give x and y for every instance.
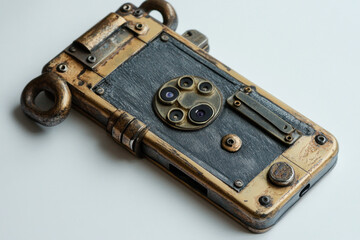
(102, 30)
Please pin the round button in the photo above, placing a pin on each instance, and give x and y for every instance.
(281, 174)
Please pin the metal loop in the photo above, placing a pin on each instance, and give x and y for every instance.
(56, 86)
(167, 11)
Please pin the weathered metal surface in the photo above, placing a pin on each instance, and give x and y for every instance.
(100, 32)
(243, 102)
(167, 11)
(125, 111)
(203, 146)
(188, 94)
(57, 87)
(231, 143)
(197, 38)
(281, 174)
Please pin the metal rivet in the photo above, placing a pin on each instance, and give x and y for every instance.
(288, 138)
(138, 12)
(281, 174)
(237, 103)
(126, 7)
(231, 143)
(80, 82)
(238, 183)
(139, 26)
(265, 201)
(91, 59)
(100, 91)
(247, 89)
(72, 49)
(62, 68)
(164, 37)
(320, 139)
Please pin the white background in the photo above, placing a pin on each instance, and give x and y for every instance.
(73, 182)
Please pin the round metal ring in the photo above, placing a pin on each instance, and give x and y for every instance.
(167, 11)
(56, 86)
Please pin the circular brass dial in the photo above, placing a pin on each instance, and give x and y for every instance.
(198, 102)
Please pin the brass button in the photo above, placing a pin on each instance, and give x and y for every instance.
(281, 174)
(231, 143)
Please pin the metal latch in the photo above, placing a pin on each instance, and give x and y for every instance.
(244, 103)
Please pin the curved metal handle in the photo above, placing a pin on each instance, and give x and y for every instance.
(57, 86)
(166, 9)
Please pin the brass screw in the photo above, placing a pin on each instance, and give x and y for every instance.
(237, 103)
(62, 68)
(139, 26)
(248, 89)
(288, 138)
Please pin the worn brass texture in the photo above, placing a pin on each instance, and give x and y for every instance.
(281, 174)
(57, 87)
(189, 97)
(100, 32)
(231, 143)
(308, 158)
(243, 102)
(167, 11)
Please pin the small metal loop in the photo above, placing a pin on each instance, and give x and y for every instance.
(167, 11)
(56, 86)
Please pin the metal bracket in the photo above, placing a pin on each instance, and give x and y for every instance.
(100, 41)
(244, 103)
(198, 39)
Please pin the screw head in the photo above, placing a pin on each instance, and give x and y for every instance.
(238, 183)
(237, 103)
(265, 201)
(321, 139)
(247, 90)
(126, 7)
(138, 12)
(288, 138)
(62, 68)
(99, 91)
(164, 37)
(139, 26)
(72, 49)
(91, 59)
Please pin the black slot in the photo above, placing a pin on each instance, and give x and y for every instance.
(191, 182)
(305, 190)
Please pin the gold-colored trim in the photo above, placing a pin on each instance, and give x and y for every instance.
(305, 156)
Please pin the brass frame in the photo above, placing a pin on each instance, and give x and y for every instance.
(308, 158)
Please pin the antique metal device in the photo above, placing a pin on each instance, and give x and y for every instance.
(163, 97)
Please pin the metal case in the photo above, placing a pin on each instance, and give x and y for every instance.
(253, 160)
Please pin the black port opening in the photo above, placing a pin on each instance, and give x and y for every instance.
(191, 182)
(305, 190)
